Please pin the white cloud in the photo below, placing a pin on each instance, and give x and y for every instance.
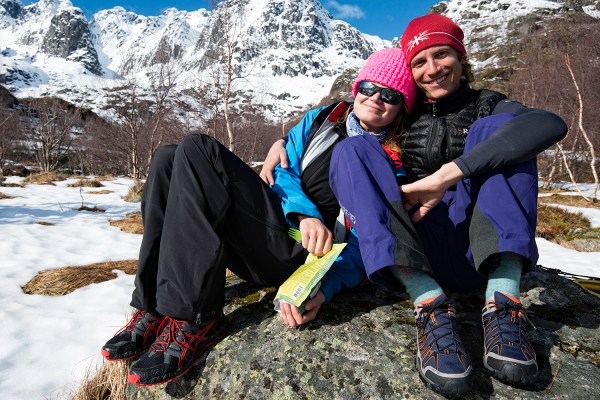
(345, 10)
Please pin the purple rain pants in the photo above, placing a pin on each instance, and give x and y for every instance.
(484, 215)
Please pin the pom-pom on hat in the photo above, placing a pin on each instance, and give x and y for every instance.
(431, 30)
(388, 67)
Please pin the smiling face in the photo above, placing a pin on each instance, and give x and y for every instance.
(437, 71)
(374, 115)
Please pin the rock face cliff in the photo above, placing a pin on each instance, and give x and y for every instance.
(69, 37)
(362, 346)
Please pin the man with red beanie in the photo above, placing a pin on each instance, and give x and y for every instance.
(466, 218)
(471, 194)
(470, 156)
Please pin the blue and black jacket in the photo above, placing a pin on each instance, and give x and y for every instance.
(304, 190)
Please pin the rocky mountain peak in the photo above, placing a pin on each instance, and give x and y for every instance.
(69, 37)
(286, 53)
(12, 8)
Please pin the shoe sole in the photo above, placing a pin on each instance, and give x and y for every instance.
(127, 356)
(134, 378)
(513, 373)
(452, 387)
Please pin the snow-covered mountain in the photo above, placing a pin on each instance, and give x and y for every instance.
(494, 28)
(286, 53)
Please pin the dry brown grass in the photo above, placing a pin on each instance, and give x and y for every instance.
(91, 209)
(105, 178)
(105, 191)
(132, 223)
(45, 223)
(45, 178)
(87, 183)
(4, 184)
(135, 192)
(567, 200)
(61, 281)
(557, 225)
(5, 196)
(109, 382)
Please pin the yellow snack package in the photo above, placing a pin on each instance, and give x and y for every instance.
(306, 280)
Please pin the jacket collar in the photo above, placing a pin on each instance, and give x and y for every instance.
(449, 104)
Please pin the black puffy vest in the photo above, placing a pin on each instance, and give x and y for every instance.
(438, 130)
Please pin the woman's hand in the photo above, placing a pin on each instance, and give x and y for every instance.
(291, 316)
(316, 238)
(426, 193)
(276, 155)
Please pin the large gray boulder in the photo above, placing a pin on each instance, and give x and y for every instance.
(362, 346)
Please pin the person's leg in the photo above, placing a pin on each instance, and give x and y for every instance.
(503, 204)
(503, 207)
(364, 183)
(215, 203)
(362, 179)
(504, 275)
(154, 203)
(142, 329)
(215, 198)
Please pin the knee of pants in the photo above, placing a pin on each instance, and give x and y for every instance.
(484, 127)
(192, 143)
(164, 155)
(355, 150)
(356, 146)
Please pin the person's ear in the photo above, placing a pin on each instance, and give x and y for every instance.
(463, 59)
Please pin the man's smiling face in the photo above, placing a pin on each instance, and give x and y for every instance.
(437, 71)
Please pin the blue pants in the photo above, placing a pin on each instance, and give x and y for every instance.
(484, 215)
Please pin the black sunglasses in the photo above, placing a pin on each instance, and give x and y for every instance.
(389, 96)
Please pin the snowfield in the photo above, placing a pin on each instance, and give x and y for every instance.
(50, 341)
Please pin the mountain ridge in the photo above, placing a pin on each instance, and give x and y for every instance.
(287, 54)
(291, 50)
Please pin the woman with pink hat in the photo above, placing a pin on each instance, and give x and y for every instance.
(465, 216)
(204, 210)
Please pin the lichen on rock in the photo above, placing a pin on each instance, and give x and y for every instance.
(362, 346)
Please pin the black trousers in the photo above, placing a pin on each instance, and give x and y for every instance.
(205, 210)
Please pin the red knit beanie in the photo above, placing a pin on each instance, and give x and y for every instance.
(431, 30)
(389, 68)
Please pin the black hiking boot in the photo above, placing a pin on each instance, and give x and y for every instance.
(134, 338)
(176, 350)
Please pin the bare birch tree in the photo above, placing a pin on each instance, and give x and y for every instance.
(590, 146)
(9, 126)
(227, 31)
(50, 128)
(127, 101)
(163, 125)
(566, 55)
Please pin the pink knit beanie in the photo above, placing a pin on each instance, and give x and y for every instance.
(389, 68)
(431, 30)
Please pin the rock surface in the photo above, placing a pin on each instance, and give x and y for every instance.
(362, 346)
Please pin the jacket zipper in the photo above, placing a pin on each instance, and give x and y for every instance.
(431, 138)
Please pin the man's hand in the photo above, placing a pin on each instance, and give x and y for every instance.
(426, 193)
(316, 238)
(276, 155)
(290, 315)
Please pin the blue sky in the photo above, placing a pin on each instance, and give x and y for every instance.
(384, 18)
